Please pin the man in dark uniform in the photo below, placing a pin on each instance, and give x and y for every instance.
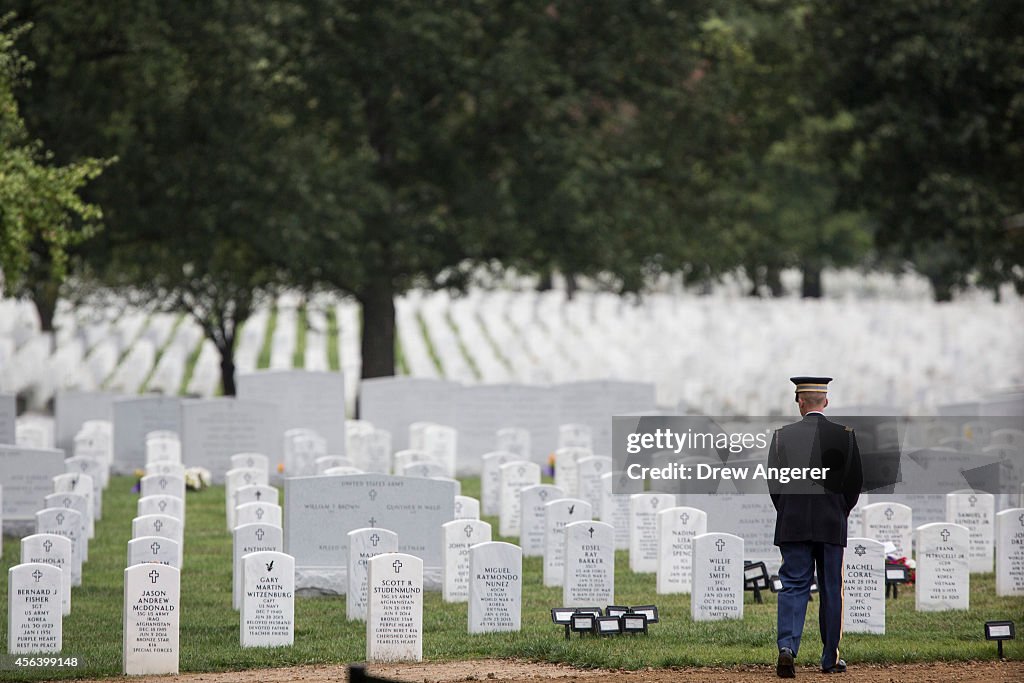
(810, 527)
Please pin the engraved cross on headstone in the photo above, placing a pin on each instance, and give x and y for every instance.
(154, 575)
(47, 544)
(158, 525)
(260, 533)
(685, 518)
(259, 494)
(468, 529)
(720, 544)
(155, 547)
(374, 540)
(373, 521)
(373, 494)
(889, 513)
(654, 503)
(945, 534)
(458, 507)
(972, 500)
(67, 502)
(543, 495)
(163, 483)
(37, 575)
(259, 513)
(397, 564)
(591, 530)
(60, 518)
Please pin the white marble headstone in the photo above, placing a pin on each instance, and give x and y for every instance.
(34, 609)
(152, 600)
(161, 505)
(78, 503)
(258, 513)
(514, 440)
(394, 610)
(154, 549)
(267, 616)
(55, 550)
(532, 500)
(82, 484)
(575, 435)
(855, 520)
(456, 538)
(515, 476)
(490, 480)
(235, 479)
(889, 523)
(589, 577)
(976, 511)
(440, 442)
(166, 468)
(260, 493)
(677, 527)
(159, 525)
(67, 523)
(717, 591)
(246, 539)
(362, 545)
(643, 529)
(589, 471)
(864, 586)
(495, 587)
(467, 507)
(98, 470)
(615, 510)
(250, 461)
(567, 468)
(162, 485)
(557, 514)
(1010, 552)
(943, 579)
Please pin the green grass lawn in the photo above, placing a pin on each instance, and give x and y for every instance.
(209, 626)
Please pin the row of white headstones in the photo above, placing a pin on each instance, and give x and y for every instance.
(579, 555)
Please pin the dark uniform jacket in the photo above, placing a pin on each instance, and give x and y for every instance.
(815, 510)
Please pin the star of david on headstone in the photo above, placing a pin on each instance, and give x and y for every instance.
(373, 521)
(889, 513)
(47, 544)
(154, 575)
(685, 518)
(259, 513)
(945, 534)
(37, 575)
(374, 540)
(155, 547)
(654, 503)
(260, 533)
(591, 530)
(397, 564)
(469, 530)
(860, 550)
(972, 500)
(373, 494)
(720, 544)
(158, 525)
(60, 518)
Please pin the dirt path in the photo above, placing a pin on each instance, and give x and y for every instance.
(512, 671)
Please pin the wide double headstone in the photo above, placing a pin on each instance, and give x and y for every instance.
(456, 538)
(394, 610)
(247, 539)
(1010, 552)
(495, 587)
(267, 616)
(364, 544)
(889, 523)
(34, 609)
(320, 511)
(154, 550)
(589, 566)
(943, 579)
(152, 601)
(557, 515)
(532, 500)
(490, 479)
(55, 550)
(643, 529)
(976, 511)
(26, 477)
(303, 398)
(515, 476)
(717, 591)
(136, 417)
(212, 430)
(864, 586)
(677, 527)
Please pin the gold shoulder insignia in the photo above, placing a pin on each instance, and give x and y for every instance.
(849, 428)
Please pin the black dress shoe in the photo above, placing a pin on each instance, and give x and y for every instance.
(785, 667)
(838, 668)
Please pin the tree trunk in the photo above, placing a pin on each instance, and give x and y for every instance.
(378, 333)
(44, 296)
(773, 278)
(810, 288)
(546, 282)
(227, 369)
(942, 289)
(571, 286)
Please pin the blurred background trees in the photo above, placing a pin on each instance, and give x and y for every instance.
(370, 148)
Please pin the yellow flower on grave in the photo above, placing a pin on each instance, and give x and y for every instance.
(280, 467)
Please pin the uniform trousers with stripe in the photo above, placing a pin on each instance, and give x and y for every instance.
(800, 562)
